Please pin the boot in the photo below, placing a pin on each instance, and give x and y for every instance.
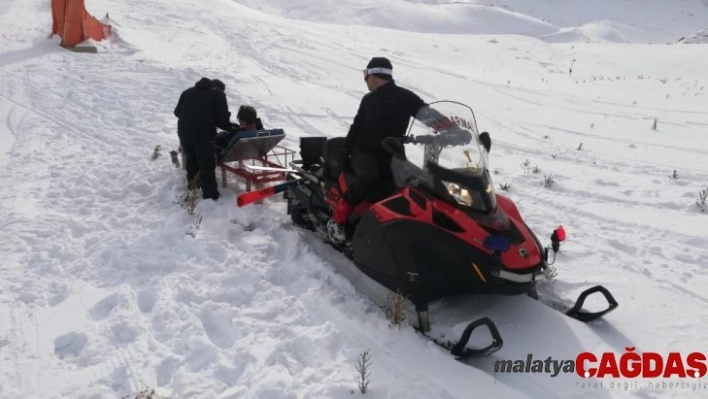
(342, 212)
(335, 227)
(336, 232)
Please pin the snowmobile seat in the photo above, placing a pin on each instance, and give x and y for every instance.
(311, 150)
(251, 144)
(332, 162)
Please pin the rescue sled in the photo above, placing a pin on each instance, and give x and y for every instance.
(254, 156)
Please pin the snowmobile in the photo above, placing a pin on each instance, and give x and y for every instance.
(435, 227)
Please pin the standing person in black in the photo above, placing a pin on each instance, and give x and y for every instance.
(201, 109)
(383, 112)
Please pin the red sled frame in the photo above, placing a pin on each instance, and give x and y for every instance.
(258, 151)
(276, 158)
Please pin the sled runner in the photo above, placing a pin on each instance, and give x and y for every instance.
(435, 228)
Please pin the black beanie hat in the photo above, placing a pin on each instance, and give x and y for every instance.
(382, 63)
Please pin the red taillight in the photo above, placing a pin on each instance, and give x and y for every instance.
(557, 237)
(560, 233)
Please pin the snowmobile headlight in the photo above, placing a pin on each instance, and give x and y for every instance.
(460, 194)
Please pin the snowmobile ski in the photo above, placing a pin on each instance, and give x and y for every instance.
(577, 311)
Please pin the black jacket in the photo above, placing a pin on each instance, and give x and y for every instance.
(201, 109)
(384, 112)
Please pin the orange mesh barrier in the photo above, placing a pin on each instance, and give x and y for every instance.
(74, 24)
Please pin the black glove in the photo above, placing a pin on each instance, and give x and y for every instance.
(458, 137)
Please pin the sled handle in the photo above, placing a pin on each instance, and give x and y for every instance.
(257, 195)
(577, 311)
(460, 349)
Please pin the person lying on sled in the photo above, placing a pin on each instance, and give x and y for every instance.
(248, 120)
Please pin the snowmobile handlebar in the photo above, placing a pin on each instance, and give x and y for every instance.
(452, 139)
(457, 137)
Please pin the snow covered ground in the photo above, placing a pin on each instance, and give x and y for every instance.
(657, 21)
(102, 292)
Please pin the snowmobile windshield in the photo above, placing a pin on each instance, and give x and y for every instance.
(447, 146)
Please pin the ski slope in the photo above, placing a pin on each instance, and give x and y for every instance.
(645, 21)
(103, 293)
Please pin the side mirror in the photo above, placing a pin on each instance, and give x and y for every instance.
(486, 141)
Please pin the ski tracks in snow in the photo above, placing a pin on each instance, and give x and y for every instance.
(628, 220)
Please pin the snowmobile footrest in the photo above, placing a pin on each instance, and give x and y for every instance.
(577, 311)
(460, 349)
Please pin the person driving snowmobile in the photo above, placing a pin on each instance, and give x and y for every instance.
(383, 112)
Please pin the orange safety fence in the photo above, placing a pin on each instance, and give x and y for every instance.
(74, 24)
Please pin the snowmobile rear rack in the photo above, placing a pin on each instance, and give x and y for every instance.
(577, 311)
(460, 349)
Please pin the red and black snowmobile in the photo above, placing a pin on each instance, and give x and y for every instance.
(435, 230)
